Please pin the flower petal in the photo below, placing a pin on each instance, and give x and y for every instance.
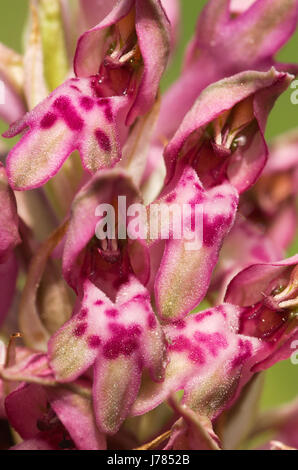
(72, 117)
(72, 409)
(208, 359)
(185, 271)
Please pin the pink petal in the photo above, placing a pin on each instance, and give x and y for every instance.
(208, 359)
(122, 338)
(250, 285)
(184, 274)
(153, 30)
(32, 400)
(75, 413)
(73, 117)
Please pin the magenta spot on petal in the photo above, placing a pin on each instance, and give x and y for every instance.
(75, 88)
(105, 102)
(68, 113)
(94, 341)
(212, 229)
(83, 314)
(124, 341)
(245, 353)
(62, 103)
(117, 329)
(179, 324)
(86, 103)
(111, 349)
(98, 303)
(112, 312)
(151, 320)
(80, 329)
(142, 298)
(196, 355)
(48, 121)
(214, 341)
(171, 197)
(180, 343)
(134, 330)
(128, 346)
(103, 140)
(201, 316)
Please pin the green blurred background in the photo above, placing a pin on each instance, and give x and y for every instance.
(281, 382)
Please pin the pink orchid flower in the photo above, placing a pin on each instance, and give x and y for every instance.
(214, 353)
(118, 65)
(119, 339)
(51, 424)
(268, 291)
(49, 412)
(222, 136)
(231, 36)
(113, 327)
(151, 288)
(209, 359)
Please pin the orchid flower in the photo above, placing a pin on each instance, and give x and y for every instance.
(208, 350)
(119, 339)
(114, 64)
(209, 359)
(268, 291)
(222, 136)
(143, 281)
(231, 36)
(51, 424)
(104, 331)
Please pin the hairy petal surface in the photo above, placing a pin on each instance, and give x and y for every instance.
(120, 339)
(74, 117)
(208, 359)
(187, 263)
